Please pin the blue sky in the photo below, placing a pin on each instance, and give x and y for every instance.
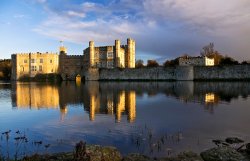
(163, 29)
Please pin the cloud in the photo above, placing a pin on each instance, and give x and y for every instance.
(166, 28)
(19, 16)
(76, 14)
(200, 15)
(41, 1)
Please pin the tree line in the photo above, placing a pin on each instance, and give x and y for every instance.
(208, 51)
(5, 69)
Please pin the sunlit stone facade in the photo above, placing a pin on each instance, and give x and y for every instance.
(70, 66)
(122, 56)
(196, 61)
(31, 64)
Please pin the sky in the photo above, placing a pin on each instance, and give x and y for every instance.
(162, 29)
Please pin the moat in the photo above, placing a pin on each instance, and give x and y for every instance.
(154, 118)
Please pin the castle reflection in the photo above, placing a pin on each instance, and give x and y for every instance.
(95, 99)
(35, 96)
(119, 98)
(107, 99)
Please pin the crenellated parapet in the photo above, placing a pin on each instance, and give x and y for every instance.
(74, 56)
(35, 53)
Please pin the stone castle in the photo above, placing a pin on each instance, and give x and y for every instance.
(71, 66)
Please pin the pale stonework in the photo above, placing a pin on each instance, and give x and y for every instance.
(69, 66)
(196, 61)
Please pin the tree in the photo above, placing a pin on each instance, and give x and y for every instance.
(152, 63)
(139, 64)
(170, 63)
(228, 61)
(245, 62)
(5, 69)
(209, 52)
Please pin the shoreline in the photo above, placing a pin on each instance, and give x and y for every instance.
(233, 149)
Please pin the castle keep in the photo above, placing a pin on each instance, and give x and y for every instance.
(70, 66)
(122, 56)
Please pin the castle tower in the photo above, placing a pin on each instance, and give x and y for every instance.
(91, 54)
(130, 55)
(117, 53)
(62, 49)
(62, 55)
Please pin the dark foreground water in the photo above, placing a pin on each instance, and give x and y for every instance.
(154, 118)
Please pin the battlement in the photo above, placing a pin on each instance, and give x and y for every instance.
(74, 56)
(37, 53)
(103, 47)
(124, 46)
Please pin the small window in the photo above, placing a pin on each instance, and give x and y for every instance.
(41, 60)
(25, 61)
(33, 68)
(110, 54)
(40, 68)
(32, 60)
(110, 64)
(51, 61)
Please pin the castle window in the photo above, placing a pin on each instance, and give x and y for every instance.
(41, 60)
(25, 61)
(110, 64)
(33, 61)
(102, 55)
(40, 68)
(110, 55)
(33, 68)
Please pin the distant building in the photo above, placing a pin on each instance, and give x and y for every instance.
(70, 66)
(196, 61)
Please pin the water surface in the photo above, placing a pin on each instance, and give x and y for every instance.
(154, 118)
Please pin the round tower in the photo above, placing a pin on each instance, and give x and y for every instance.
(130, 53)
(117, 53)
(91, 54)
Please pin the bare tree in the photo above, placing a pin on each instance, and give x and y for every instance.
(152, 63)
(208, 50)
(139, 63)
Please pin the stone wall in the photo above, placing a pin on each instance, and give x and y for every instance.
(231, 72)
(92, 74)
(70, 66)
(234, 72)
(158, 73)
(184, 73)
